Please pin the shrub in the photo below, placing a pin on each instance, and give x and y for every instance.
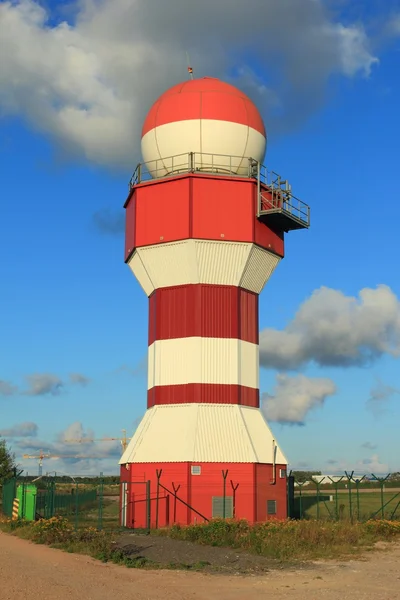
(287, 539)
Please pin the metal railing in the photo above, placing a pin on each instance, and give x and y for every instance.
(274, 194)
(192, 162)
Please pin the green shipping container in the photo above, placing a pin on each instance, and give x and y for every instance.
(26, 495)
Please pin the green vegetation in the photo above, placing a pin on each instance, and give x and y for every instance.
(7, 462)
(348, 505)
(289, 540)
(279, 540)
(112, 480)
(58, 532)
(301, 476)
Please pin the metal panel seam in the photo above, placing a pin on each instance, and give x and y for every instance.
(248, 434)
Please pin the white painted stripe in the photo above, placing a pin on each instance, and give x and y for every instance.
(203, 261)
(222, 139)
(202, 433)
(203, 360)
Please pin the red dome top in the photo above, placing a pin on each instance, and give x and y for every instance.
(205, 98)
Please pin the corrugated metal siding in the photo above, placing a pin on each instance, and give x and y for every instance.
(206, 262)
(203, 310)
(248, 315)
(202, 433)
(152, 325)
(262, 441)
(203, 360)
(170, 264)
(215, 311)
(221, 262)
(138, 269)
(249, 396)
(259, 269)
(249, 369)
(203, 393)
(221, 433)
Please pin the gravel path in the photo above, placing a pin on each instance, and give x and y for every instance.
(31, 571)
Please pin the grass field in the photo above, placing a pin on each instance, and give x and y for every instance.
(362, 506)
(68, 488)
(107, 517)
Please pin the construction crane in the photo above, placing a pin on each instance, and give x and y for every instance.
(124, 440)
(39, 457)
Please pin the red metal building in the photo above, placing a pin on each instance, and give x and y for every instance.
(205, 226)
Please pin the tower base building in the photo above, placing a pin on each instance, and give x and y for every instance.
(205, 228)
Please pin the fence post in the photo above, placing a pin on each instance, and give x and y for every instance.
(100, 503)
(176, 490)
(148, 504)
(234, 488)
(318, 484)
(349, 479)
(23, 498)
(336, 486)
(300, 484)
(158, 474)
(358, 481)
(224, 475)
(76, 506)
(381, 481)
(52, 498)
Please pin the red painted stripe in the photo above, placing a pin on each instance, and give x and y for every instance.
(210, 393)
(204, 99)
(216, 311)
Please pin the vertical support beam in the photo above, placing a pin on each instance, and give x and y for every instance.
(234, 488)
(148, 504)
(158, 474)
(100, 503)
(224, 475)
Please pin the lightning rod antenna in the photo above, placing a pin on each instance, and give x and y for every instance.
(190, 70)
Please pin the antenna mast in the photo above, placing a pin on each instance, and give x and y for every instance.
(190, 70)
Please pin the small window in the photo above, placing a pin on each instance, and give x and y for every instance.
(271, 507)
(218, 507)
(282, 473)
(196, 470)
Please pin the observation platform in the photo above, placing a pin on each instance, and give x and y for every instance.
(276, 206)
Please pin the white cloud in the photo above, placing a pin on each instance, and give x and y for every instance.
(79, 379)
(369, 446)
(294, 397)
(41, 384)
(393, 26)
(380, 395)
(27, 429)
(109, 223)
(354, 44)
(75, 431)
(373, 465)
(72, 458)
(89, 83)
(332, 329)
(6, 388)
(366, 466)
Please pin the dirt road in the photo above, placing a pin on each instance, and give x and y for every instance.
(30, 571)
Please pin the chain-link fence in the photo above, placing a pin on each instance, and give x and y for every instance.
(97, 503)
(347, 496)
(90, 504)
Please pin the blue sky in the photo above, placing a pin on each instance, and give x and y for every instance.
(69, 305)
